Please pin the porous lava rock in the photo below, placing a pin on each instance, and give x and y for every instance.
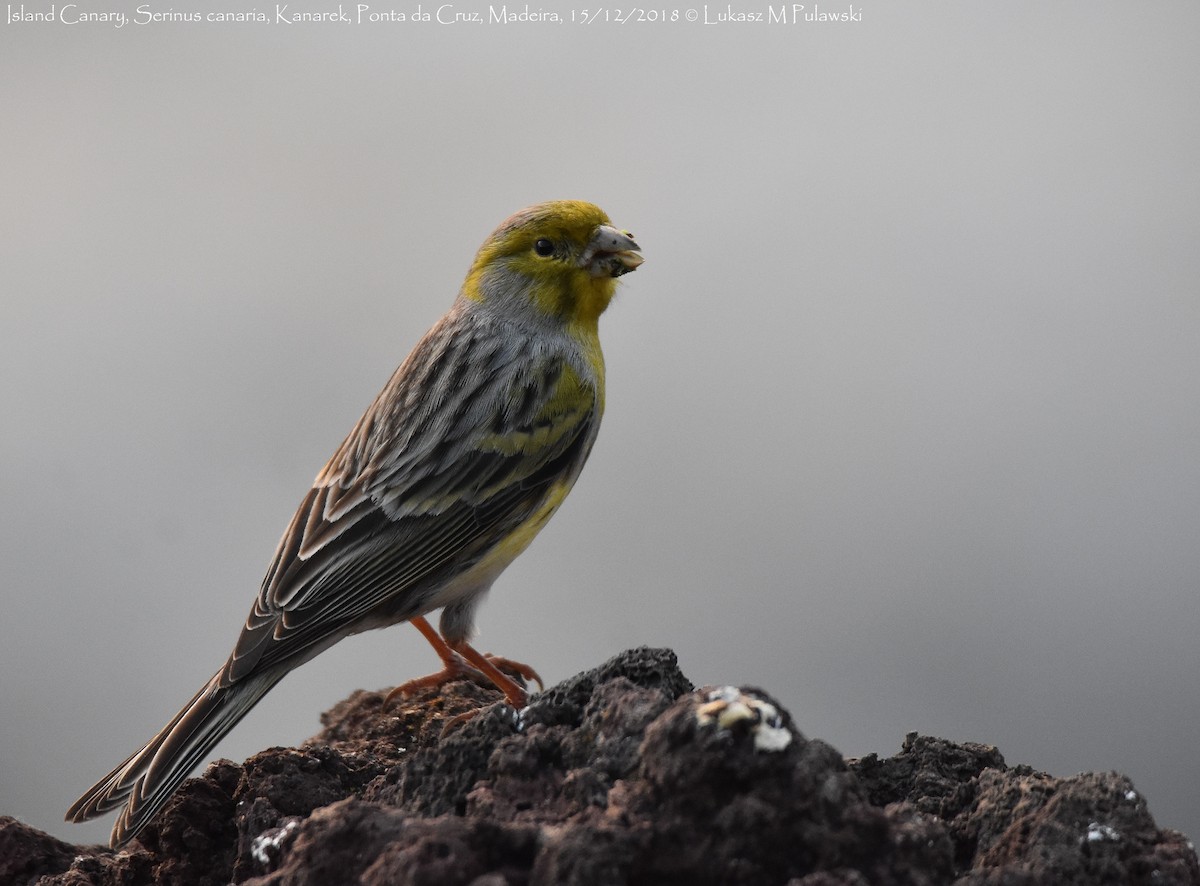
(624, 774)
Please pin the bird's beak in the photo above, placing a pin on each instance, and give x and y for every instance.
(611, 253)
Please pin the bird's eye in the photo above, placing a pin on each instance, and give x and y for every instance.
(544, 247)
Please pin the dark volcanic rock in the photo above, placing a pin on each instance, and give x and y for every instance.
(623, 774)
(26, 854)
(937, 776)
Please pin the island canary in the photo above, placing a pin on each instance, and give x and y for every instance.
(466, 453)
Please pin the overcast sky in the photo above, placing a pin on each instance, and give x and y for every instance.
(902, 420)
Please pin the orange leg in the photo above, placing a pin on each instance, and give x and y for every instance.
(462, 660)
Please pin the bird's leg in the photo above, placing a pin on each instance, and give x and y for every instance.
(490, 665)
(453, 665)
(461, 660)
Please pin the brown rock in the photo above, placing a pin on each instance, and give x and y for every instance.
(623, 774)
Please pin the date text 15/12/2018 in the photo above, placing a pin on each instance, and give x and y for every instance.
(781, 14)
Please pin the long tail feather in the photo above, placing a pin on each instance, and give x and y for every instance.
(146, 780)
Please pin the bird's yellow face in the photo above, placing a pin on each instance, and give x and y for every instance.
(558, 259)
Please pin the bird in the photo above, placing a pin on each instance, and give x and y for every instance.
(463, 457)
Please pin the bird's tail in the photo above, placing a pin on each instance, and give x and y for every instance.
(146, 780)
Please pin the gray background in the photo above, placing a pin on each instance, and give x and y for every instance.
(902, 421)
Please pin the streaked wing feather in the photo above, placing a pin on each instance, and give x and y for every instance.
(398, 511)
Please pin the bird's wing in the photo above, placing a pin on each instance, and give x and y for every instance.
(421, 489)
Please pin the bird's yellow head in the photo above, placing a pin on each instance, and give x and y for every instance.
(558, 259)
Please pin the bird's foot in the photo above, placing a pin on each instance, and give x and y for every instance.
(526, 672)
(455, 669)
(491, 669)
(461, 660)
